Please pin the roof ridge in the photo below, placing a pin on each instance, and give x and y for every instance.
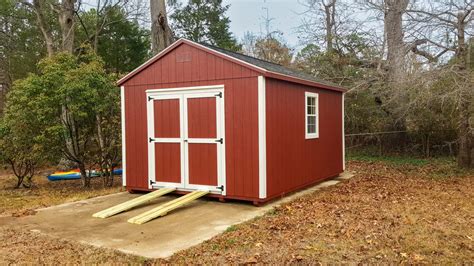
(242, 54)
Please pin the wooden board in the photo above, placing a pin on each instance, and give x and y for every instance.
(132, 203)
(163, 209)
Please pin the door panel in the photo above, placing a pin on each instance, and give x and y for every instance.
(201, 134)
(167, 118)
(202, 164)
(168, 162)
(202, 117)
(186, 140)
(165, 138)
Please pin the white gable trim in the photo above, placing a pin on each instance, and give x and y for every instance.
(149, 61)
(228, 56)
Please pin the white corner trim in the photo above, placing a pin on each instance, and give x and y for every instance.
(316, 96)
(262, 139)
(343, 137)
(124, 148)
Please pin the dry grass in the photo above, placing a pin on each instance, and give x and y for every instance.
(387, 213)
(45, 193)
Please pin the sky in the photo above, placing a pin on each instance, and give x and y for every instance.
(249, 15)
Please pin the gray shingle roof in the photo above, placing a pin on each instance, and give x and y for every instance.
(269, 66)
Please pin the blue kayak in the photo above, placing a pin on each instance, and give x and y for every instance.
(75, 175)
(56, 177)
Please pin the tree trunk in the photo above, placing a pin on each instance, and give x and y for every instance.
(66, 22)
(86, 180)
(466, 138)
(161, 36)
(330, 11)
(396, 50)
(44, 25)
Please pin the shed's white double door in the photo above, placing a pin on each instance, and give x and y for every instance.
(186, 148)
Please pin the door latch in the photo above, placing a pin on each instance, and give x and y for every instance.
(221, 140)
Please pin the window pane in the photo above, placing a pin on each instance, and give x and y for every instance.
(311, 110)
(311, 124)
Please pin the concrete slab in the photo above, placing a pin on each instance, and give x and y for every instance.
(160, 238)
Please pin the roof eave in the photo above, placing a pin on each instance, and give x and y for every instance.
(258, 69)
(194, 44)
(280, 76)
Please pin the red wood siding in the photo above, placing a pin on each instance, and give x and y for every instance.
(187, 66)
(293, 161)
(202, 157)
(167, 162)
(202, 164)
(166, 114)
(202, 118)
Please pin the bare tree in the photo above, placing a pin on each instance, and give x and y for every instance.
(65, 11)
(43, 25)
(445, 26)
(161, 35)
(396, 52)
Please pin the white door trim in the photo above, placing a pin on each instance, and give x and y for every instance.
(186, 89)
(183, 94)
(262, 139)
(152, 140)
(212, 93)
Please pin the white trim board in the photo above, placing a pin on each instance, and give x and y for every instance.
(314, 135)
(343, 137)
(124, 148)
(184, 94)
(262, 139)
(192, 88)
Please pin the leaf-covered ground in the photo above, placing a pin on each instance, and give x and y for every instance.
(44, 193)
(388, 212)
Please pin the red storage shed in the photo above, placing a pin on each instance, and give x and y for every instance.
(197, 117)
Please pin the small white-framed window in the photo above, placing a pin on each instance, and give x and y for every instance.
(312, 115)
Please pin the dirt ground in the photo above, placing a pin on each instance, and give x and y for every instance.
(387, 213)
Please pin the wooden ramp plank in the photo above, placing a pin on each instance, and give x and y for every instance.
(163, 209)
(132, 203)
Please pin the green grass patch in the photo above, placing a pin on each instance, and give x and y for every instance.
(231, 228)
(395, 160)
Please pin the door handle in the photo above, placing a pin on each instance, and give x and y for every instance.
(185, 140)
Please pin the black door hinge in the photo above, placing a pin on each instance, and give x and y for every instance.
(219, 95)
(221, 140)
(150, 98)
(221, 187)
(151, 140)
(152, 182)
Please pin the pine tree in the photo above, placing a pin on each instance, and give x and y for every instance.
(205, 21)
